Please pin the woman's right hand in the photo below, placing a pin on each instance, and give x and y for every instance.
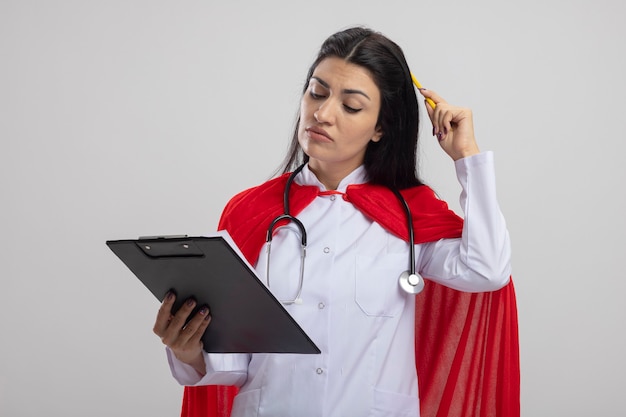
(184, 340)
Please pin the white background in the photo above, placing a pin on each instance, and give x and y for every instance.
(128, 118)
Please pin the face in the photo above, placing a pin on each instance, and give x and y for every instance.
(338, 116)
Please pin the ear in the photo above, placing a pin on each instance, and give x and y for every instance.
(378, 133)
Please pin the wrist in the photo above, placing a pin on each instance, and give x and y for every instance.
(197, 362)
(464, 153)
(199, 365)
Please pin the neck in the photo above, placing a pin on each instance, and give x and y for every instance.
(330, 175)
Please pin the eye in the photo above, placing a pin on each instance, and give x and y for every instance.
(315, 96)
(351, 109)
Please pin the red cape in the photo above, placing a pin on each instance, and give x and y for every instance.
(466, 344)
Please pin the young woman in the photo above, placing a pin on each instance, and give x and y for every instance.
(354, 146)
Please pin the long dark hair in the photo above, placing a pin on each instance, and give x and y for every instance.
(392, 160)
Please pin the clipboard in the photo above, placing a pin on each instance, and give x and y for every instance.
(245, 315)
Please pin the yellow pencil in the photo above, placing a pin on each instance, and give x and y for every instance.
(418, 85)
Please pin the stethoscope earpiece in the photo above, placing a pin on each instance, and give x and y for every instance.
(411, 283)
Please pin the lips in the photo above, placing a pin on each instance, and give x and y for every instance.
(318, 133)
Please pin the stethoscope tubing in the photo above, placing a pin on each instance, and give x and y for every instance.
(410, 281)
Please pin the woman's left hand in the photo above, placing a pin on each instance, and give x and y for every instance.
(453, 126)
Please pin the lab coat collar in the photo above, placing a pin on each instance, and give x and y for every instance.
(307, 177)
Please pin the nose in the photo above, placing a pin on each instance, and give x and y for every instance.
(324, 113)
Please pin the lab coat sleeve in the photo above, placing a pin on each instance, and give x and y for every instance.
(221, 369)
(481, 259)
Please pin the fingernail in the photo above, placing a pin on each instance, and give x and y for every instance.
(169, 295)
(190, 302)
(440, 136)
(433, 130)
(203, 311)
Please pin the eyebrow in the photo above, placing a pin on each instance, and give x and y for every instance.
(345, 91)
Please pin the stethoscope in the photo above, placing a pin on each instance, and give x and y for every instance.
(410, 281)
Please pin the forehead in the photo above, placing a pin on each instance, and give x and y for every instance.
(340, 74)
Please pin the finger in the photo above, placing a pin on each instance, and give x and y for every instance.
(431, 95)
(443, 121)
(433, 103)
(194, 330)
(437, 120)
(164, 315)
(182, 315)
(430, 110)
(428, 103)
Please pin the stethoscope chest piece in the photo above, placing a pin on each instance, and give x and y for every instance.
(411, 283)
